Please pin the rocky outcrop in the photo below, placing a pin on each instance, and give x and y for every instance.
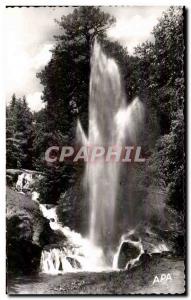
(27, 233)
(128, 252)
(74, 262)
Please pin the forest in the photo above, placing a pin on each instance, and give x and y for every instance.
(155, 74)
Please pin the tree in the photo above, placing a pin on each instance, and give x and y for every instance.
(162, 90)
(66, 88)
(19, 133)
(66, 77)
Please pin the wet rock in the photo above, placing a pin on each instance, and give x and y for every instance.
(74, 262)
(56, 237)
(61, 245)
(145, 258)
(23, 257)
(27, 233)
(128, 251)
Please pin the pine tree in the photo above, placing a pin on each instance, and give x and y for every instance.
(19, 134)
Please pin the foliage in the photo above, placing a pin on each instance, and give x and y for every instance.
(161, 86)
(66, 77)
(19, 134)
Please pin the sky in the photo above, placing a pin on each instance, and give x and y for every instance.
(29, 37)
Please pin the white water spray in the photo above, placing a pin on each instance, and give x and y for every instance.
(76, 254)
(111, 122)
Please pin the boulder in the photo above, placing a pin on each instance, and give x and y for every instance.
(27, 233)
(74, 262)
(127, 252)
(145, 258)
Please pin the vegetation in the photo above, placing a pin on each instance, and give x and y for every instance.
(19, 133)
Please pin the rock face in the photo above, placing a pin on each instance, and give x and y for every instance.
(27, 233)
(128, 252)
(74, 262)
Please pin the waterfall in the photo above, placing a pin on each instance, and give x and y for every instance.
(111, 122)
(75, 254)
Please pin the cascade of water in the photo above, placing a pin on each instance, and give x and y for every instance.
(74, 255)
(110, 122)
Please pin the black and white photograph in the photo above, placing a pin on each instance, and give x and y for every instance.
(95, 150)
